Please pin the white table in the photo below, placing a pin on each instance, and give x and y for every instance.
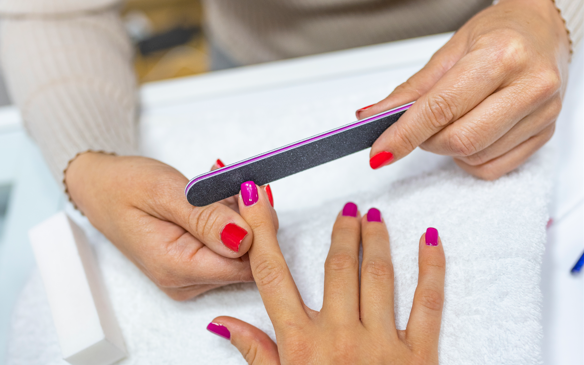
(34, 195)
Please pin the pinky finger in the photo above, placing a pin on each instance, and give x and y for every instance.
(253, 344)
(508, 162)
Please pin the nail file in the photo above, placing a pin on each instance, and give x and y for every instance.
(262, 169)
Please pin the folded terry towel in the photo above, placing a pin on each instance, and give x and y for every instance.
(493, 235)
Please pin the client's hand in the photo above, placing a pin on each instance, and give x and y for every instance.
(139, 205)
(356, 324)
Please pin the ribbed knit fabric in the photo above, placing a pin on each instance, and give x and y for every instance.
(73, 81)
(67, 63)
(255, 31)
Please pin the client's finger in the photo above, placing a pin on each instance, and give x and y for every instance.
(341, 269)
(376, 275)
(253, 344)
(423, 327)
(275, 283)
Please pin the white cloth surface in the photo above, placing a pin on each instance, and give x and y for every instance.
(493, 234)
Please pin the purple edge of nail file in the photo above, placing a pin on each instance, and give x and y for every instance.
(270, 166)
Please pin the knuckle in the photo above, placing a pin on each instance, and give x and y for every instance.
(431, 299)
(378, 269)
(511, 50)
(549, 133)
(439, 111)
(404, 136)
(251, 352)
(550, 82)
(556, 107)
(341, 261)
(461, 143)
(204, 219)
(269, 272)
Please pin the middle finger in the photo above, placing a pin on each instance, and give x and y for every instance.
(341, 275)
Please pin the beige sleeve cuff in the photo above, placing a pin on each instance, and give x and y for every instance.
(573, 13)
(72, 79)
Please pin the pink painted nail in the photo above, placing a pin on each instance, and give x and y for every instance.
(249, 193)
(219, 330)
(432, 237)
(373, 215)
(350, 210)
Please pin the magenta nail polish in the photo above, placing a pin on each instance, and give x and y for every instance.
(373, 215)
(432, 237)
(249, 193)
(350, 210)
(219, 330)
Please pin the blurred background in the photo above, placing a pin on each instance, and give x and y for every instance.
(169, 40)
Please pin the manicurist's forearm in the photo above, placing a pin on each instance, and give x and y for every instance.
(70, 74)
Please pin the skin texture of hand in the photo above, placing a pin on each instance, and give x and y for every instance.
(489, 97)
(356, 324)
(139, 205)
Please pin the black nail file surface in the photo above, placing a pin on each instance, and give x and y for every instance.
(284, 161)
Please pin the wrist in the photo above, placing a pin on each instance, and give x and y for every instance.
(550, 13)
(80, 176)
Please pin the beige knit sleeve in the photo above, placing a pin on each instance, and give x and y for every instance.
(573, 13)
(70, 74)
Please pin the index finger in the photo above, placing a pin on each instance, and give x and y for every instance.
(423, 328)
(270, 271)
(472, 79)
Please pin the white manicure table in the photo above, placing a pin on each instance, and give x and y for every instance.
(33, 196)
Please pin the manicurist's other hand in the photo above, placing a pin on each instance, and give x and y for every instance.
(356, 324)
(490, 97)
(139, 205)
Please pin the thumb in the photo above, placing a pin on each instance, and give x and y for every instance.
(253, 344)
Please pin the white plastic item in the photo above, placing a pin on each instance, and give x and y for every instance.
(86, 326)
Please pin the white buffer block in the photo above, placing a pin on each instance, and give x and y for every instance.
(86, 326)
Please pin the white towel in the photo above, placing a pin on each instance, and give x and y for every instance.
(493, 235)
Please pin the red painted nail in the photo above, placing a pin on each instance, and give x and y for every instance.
(432, 237)
(232, 236)
(219, 163)
(363, 108)
(269, 194)
(380, 159)
(219, 330)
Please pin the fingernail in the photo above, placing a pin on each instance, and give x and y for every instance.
(350, 210)
(219, 330)
(219, 163)
(363, 108)
(232, 235)
(373, 215)
(432, 237)
(249, 193)
(269, 194)
(380, 159)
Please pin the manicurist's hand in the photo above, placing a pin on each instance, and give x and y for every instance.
(490, 97)
(356, 324)
(139, 205)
